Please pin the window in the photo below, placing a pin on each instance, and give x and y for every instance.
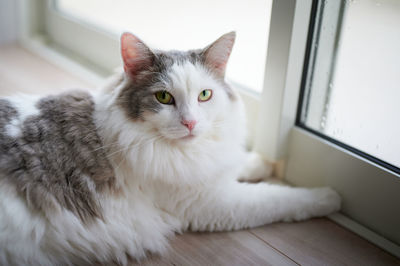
(184, 25)
(352, 87)
(346, 135)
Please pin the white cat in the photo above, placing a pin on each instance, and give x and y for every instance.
(106, 178)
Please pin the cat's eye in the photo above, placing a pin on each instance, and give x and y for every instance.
(164, 97)
(205, 95)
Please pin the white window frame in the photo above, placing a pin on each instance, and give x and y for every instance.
(303, 159)
(369, 191)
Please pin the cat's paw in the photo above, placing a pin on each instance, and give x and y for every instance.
(256, 169)
(326, 201)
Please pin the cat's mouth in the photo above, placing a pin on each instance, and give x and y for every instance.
(189, 136)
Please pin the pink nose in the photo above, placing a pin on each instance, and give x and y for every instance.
(189, 124)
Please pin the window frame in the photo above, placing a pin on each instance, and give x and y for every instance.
(329, 56)
(317, 160)
(271, 115)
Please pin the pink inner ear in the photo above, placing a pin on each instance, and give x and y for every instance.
(128, 48)
(135, 54)
(217, 54)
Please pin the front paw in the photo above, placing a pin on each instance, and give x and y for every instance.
(256, 169)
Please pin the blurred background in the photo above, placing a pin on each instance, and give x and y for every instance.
(175, 24)
(184, 25)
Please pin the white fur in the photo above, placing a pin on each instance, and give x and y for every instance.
(167, 184)
(26, 106)
(13, 129)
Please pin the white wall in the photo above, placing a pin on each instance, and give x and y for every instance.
(8, 21)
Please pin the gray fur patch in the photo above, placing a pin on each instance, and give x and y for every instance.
(58, 160)
(138, 96)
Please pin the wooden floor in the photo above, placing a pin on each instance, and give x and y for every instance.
(314, 242)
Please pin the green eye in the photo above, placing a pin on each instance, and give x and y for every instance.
(164, 97)
(205, 95)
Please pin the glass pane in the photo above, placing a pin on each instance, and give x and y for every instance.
(352, 91)
(180, 24)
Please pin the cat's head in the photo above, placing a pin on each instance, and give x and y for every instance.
(176, 95)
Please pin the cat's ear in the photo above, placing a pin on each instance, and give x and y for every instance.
(136, 55)
(216, 55)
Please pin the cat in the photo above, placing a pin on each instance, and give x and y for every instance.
(107, 177)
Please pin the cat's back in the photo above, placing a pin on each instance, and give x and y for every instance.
(20, 110)
(51, 154)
